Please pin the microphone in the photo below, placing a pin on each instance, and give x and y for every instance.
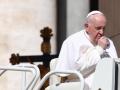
(108, 43)
(105, 54)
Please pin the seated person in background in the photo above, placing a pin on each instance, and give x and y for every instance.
(84, 49)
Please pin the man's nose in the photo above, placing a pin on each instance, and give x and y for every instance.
(101, 31)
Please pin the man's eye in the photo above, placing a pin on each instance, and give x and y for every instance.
(99, 28)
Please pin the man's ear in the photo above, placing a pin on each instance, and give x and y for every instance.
(86, 25)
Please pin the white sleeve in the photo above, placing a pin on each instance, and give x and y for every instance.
(89, 58)
(65, 56)
(112, 50)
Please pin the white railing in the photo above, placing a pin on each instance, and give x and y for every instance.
(63, 72)
(24, 68)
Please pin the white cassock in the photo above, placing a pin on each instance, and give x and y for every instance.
(78, 53)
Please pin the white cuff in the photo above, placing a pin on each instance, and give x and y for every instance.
(99, 49)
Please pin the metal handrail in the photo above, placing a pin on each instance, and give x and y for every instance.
(24, 68)
(63, 72)
(37, 76)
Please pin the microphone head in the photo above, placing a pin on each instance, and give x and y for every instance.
(108, 44)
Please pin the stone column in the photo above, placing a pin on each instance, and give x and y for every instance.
(76, 13)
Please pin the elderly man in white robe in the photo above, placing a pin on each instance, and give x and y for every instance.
(84, 49)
